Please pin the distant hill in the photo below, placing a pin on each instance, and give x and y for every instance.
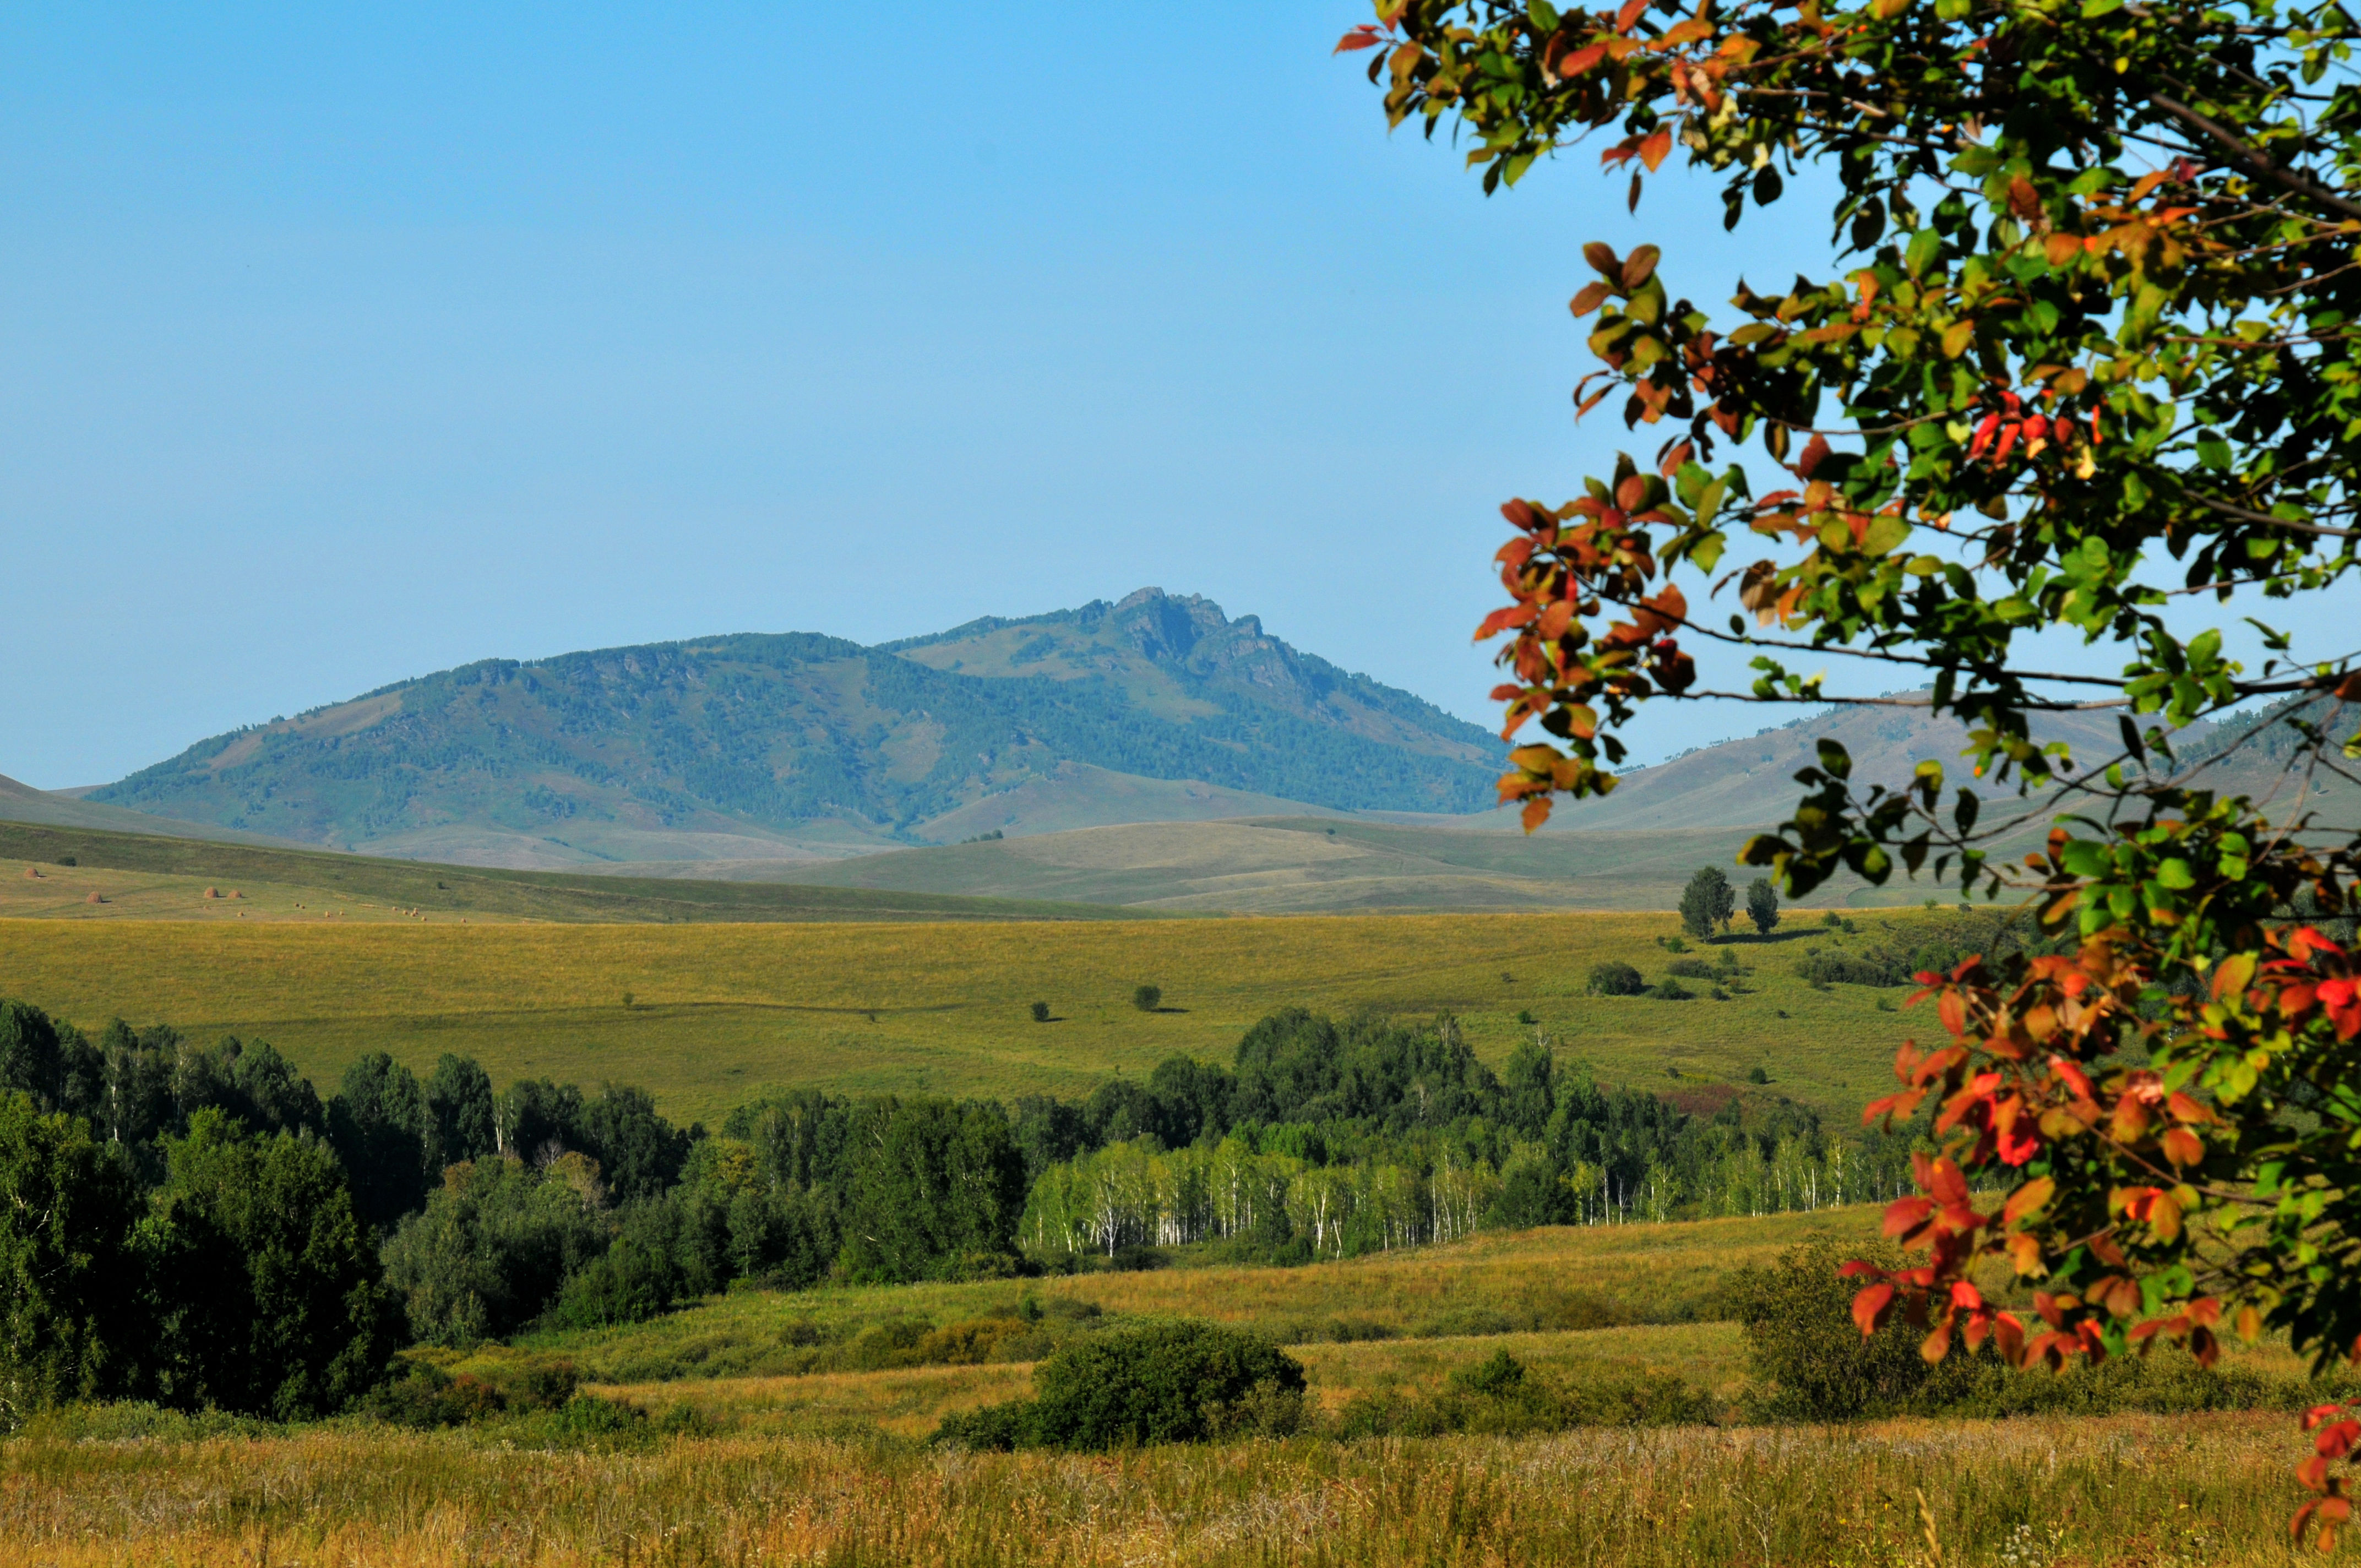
(144, 876)
(1301, 866)
(798, 746)
(67, 808)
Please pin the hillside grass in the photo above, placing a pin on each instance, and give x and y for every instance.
(721, 1012)
(1552, 1279)
(2212, 1489)
(152, 877)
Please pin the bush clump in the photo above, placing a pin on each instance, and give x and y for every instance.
(1169, 1383)
(1670, 990)
(1040, 1012)
(1148, 998)
(1616, 978)
(1835, 967)
(1695, 969)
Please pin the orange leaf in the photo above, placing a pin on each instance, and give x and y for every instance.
(1362, 37)
(2029, 1199)
(1592, 296)
(1653, 150)
(1631, 11)
(1580, 61)
(1870, 1306)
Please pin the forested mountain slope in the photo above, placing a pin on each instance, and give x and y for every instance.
(773, 746)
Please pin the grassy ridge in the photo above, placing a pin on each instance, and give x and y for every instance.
(163, 877)
(721, 1011)
(2212, 1489)
(1552, 1278)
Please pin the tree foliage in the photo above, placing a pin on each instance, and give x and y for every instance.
(1707, 902)
(2090, 354)
(272, 1300)
(1763, 905)
(69, 1280)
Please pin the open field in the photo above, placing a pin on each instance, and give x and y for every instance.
(152, 878)
(910, 1402)
(722, 1010)
(1554, 1278)
(2124, 1489)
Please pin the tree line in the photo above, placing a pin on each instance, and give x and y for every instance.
(197, 1225)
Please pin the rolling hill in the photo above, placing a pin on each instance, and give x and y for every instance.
(798, 746)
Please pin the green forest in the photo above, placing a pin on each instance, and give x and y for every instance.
(196, 1225)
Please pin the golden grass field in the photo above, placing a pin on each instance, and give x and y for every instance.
(2113, 1490)
(721, 1012)
(1548, 1277)
(830, 1467)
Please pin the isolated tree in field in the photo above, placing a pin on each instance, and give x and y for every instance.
(1148, 998)
(2087, 355)
(1763, 905)
(1707, 903)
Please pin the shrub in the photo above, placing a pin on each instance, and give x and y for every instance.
(1040, 1012)
(1182, 1382)
(1695, 969)
(1832, 918)
(1760, 1074)
(1148, 998)
(1615, 979)
(1836, 966)
(1672, 991)
(1807, 1355)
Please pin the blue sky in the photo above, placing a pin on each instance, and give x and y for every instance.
(343, 347)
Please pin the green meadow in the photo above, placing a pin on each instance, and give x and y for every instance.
(706, 1015)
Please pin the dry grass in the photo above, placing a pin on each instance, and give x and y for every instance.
(911, 1403)
(1555, 1278)
(724, 1011)
(2115, 1490)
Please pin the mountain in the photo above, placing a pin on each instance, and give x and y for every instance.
(796, 746)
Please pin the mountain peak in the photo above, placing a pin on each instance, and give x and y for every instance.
(719, 746)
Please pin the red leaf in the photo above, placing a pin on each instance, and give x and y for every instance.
(1363, 37)
(1580, 61)
(1868, 1308)
(1809, 459)
(1631, 11)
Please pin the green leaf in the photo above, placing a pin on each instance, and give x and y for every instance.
(2175, 874)
(1835, 760)
(1544, 16)
(2082, 857)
